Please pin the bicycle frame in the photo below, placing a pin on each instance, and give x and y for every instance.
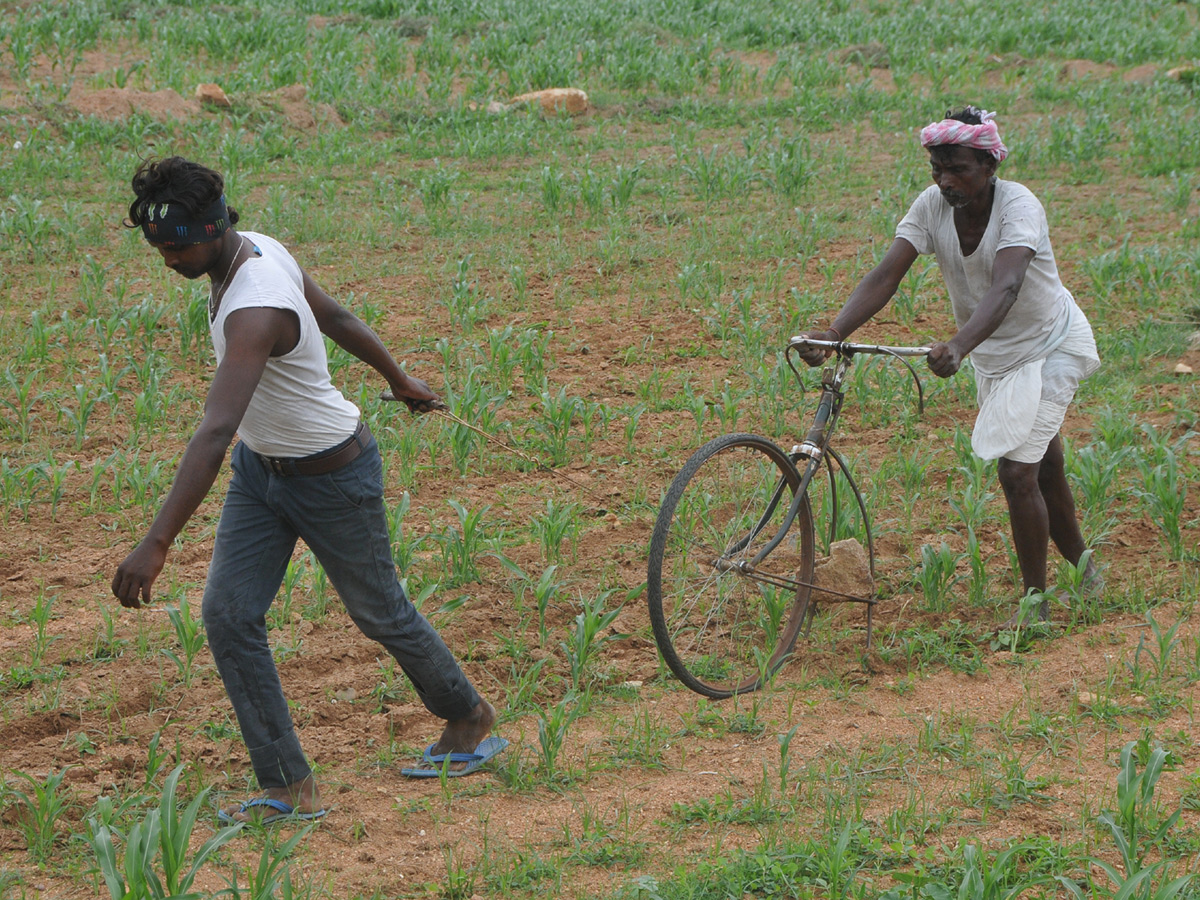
(815, 450)
(726, 610)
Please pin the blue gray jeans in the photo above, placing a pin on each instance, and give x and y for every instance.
(340, 516)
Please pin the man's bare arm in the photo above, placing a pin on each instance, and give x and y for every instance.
(1008, 274)
(352, 334)
(870, 296)
(250, 336)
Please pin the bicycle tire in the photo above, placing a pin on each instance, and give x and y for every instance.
(721, 630)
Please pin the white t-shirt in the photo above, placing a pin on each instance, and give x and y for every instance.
(1039, 318)
(1044, 318)
(295, 409)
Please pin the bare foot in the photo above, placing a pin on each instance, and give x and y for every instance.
(1091, 584)
(1093, 579)
(464, 735)
(1023, 618)
(302, 796)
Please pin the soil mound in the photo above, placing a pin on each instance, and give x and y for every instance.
(113, 104)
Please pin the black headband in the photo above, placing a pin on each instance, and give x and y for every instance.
(172, 223)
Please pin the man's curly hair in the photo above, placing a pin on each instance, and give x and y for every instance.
(175, 180)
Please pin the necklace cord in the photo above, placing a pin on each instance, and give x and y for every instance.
(214, 299)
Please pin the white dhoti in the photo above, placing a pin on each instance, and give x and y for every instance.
(1022, 409)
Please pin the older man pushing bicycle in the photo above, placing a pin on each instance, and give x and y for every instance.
(1029, 341)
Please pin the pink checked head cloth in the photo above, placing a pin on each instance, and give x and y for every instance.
(951, 131)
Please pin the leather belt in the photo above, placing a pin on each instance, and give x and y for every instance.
(325, 461)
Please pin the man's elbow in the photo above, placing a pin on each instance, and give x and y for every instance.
(1010, 292)
(213, 437)
(337, 323)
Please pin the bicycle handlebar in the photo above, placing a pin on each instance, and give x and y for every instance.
(851, 347)
(846, 350)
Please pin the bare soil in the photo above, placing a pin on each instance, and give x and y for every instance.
(391, 835)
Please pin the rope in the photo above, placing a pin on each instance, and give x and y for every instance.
(439, 408)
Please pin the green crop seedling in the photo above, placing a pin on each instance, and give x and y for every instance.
(595, 289)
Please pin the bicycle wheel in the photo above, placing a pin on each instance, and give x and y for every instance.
(721, 627)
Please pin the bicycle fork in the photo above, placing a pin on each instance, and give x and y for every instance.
(813, 450)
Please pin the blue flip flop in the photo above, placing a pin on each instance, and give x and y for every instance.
(486, 751)
(283, 811)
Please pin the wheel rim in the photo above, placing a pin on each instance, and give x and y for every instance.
(721, 625)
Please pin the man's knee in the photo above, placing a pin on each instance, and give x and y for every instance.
(1018, 477)
(224, 617)
(1053, 466)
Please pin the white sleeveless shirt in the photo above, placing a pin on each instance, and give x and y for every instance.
(295, 409)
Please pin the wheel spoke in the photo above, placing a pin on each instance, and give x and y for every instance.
(718, 623)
